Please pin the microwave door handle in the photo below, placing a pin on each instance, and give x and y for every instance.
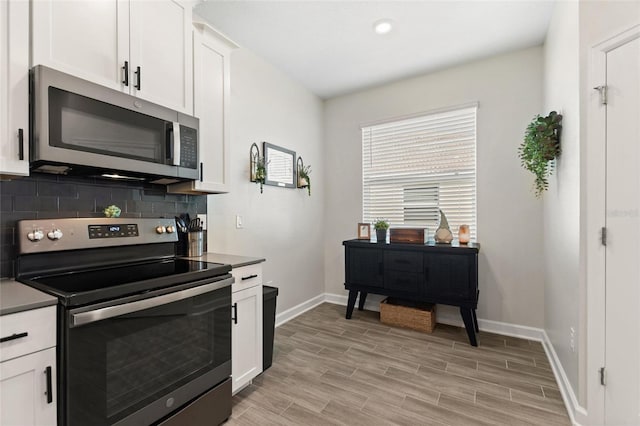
(82, 318)
(176, 144)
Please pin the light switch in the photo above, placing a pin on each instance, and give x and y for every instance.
(238, 221)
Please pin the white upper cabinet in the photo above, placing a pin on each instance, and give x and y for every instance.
(139, 47)
(14, 87)
(89, 39)
(162, 52)
(211, 93)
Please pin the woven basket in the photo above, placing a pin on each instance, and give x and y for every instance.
(416, 316)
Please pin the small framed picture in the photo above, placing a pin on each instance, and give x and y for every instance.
(364, 231)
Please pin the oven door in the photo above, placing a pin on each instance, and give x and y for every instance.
(137, 359)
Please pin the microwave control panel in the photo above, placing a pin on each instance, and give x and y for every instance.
(188, 147)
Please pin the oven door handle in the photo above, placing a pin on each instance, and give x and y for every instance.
(88, 317)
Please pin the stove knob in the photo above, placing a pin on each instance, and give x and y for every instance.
(54, 234)
(161, 229)
(171, 229)
(36, 235)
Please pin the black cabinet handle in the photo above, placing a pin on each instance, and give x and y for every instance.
(20, 144)
(426, 274)
(380, 270)
(125, 69)
(138, 74)
(14, 336)
(235, 313)
(249, 277)
(201, 171)
(49, 391)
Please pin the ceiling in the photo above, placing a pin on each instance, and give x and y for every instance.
(330, 46)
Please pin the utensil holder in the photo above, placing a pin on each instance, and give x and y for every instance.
(195, 243)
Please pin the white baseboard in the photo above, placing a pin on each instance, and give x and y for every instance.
(577, 413)
(303, 307)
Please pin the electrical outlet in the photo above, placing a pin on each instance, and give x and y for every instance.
(239, 223)
(572, 339)
(203, 221)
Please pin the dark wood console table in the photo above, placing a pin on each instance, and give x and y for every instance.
(433, 273)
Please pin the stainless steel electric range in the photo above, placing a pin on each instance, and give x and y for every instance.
(144, 337)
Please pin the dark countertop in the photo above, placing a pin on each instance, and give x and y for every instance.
(230, 259)
(18, 297)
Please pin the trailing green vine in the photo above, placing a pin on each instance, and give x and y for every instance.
(540, 146)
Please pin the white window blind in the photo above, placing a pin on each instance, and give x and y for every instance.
(415, 166)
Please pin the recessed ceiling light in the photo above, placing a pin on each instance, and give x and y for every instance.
(383, 26)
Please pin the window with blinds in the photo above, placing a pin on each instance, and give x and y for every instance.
(414, 166)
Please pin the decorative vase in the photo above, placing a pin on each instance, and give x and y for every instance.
(381, 235)
(464, 234)
(443, 234)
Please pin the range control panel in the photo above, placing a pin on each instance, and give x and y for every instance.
(42, 235)
(113, 231)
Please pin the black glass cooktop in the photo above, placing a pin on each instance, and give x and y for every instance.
(75, 288)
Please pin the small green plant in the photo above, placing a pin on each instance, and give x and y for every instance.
(304, 181)
(381, 224)
(260, 171)
(540, 146)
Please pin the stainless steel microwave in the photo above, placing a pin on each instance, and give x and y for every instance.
(82, 128)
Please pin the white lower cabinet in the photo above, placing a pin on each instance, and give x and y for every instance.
(28, 368)
(24, 390)
(246, 335)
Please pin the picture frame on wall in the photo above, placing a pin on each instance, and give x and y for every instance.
(364, 231)
(280, 166)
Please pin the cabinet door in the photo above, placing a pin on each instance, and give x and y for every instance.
(89, 39)
(211, 93)
(14, 86)
(449, 276)
(246, 336)
(162, 48)
(23, 387)
(365, 267)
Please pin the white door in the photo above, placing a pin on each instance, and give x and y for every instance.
(162, 53)
(23, 387)
(88, 39)
(622, 332)
(14, 106)
(246, 336)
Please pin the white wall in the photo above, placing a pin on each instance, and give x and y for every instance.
(283, 225)
(509, 90)
(562, 200)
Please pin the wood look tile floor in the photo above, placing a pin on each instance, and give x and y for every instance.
(331, 371)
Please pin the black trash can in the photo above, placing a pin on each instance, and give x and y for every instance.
(269, 296)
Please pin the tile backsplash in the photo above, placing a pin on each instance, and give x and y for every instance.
(42, 196)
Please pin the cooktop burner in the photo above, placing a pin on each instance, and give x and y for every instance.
(75, 288)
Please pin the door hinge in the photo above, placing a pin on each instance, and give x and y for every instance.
(603, 236)
(603, 380)
(603, 94)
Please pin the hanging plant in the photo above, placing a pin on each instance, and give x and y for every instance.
(261, 171)
(304, 181)
(541, 145)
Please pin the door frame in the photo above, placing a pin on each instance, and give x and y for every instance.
(594, 209)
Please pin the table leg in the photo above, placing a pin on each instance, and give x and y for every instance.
(467, 317)
(353, 294)
(475, 320)
(363, 298)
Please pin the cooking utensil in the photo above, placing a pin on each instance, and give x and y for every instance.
(182, 227)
